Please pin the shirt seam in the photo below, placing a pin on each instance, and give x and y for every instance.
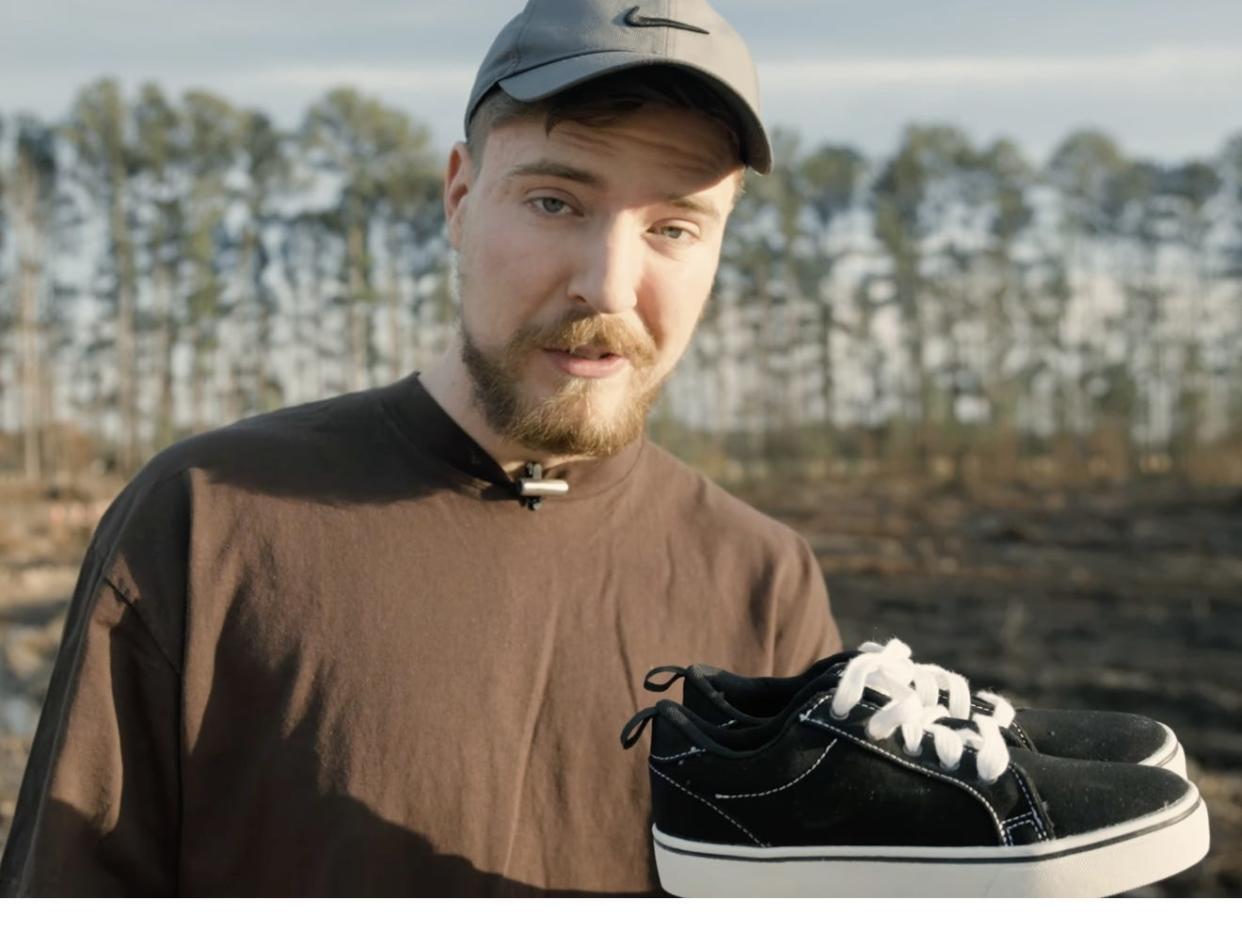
(146, 625)
(448, 470)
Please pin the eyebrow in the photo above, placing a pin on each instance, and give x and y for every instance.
(548, 167)
(697, 205)
(556, 170)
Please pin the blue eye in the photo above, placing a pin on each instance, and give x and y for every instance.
(677, 234)
(553, 206)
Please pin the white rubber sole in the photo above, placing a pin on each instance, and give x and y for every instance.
(1101, 863)
(1170, 756)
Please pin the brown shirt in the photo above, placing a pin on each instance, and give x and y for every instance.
(326, 650)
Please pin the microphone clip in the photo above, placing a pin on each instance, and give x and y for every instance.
(532, 487)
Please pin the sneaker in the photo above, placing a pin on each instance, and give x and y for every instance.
(861, 789)
(718, 696)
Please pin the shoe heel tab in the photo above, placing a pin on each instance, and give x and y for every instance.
(635, 727)
(673, 733)
(656, 686)
(674, 729)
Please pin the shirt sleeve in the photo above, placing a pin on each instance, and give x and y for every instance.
(98, 812)
(805, 628)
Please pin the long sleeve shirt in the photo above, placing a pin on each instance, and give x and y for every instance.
(327, 650)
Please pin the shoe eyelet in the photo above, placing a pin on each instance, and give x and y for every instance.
(839, 718)
(954, 769)
(910, 753)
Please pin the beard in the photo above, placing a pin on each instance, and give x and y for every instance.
(570, 420)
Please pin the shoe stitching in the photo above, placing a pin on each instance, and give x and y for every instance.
(738, 825)
(1033, 812)
(1031, 816)
(806, 717)
(1022, 734)
(1024, 820)
(1016, 823)
(784, 786)
(688, 753)
(987, 708)
(1039, 827)
(876, 708)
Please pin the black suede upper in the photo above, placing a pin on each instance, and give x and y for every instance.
(1092, 735)
(1082, 795)
(719, 696)
(806, 778)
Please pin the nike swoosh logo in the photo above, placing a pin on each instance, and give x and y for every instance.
(634, 18)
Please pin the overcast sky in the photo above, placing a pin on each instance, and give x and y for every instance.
(1163, 77)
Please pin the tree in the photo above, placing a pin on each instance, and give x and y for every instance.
(1187, 191)
(32, 195)
(909, 204)
(831, 180)
(411, 216)
(159, 157)
(267, 172)
(1088, 171)
(212, 135)
(104, 159)
(364, 145)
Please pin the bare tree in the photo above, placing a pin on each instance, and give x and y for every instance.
(99, 131)
(32, 194)
(364, 144)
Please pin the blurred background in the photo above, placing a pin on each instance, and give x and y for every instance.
(978, 337)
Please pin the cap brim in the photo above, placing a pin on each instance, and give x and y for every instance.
(554, 77)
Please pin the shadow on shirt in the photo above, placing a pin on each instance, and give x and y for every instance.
(372, 857)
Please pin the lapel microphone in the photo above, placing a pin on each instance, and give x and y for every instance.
(532, 487)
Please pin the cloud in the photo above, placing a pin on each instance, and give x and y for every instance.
(1164, 66)
(1152, 66)
(424, 77)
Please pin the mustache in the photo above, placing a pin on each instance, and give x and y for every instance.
(602, 330)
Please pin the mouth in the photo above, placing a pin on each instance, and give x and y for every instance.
(588, 362)
(586, 352)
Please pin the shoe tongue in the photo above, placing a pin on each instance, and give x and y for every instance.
(835, 661)
(827, 680)
(958, 723)
(831, 675)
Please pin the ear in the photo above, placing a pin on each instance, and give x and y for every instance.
(458, 179)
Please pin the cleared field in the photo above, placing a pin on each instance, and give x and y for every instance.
(1128, 601)
(1125, 601)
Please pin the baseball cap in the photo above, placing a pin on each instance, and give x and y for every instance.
(553, 45)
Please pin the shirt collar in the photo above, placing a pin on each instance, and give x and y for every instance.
(431, 429)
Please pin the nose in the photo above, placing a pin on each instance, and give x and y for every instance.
(607, 269)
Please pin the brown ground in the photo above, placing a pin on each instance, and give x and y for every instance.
(1103, 600)
(1116, 601)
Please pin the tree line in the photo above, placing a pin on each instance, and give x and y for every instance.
(167, 265)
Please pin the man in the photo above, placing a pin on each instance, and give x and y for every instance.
(383, 643)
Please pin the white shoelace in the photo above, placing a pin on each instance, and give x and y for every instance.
(890, 671)
(930, 680)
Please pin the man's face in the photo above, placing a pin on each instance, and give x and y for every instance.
(585, 258)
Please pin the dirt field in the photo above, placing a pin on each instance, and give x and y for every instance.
(1130, 602)
(1109, 601)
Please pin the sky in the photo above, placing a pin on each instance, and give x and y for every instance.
(1162, 77)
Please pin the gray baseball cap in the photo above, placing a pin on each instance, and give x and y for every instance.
(553, 45)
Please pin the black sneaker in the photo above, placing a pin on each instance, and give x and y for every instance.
(718, 696)
(862, 790)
